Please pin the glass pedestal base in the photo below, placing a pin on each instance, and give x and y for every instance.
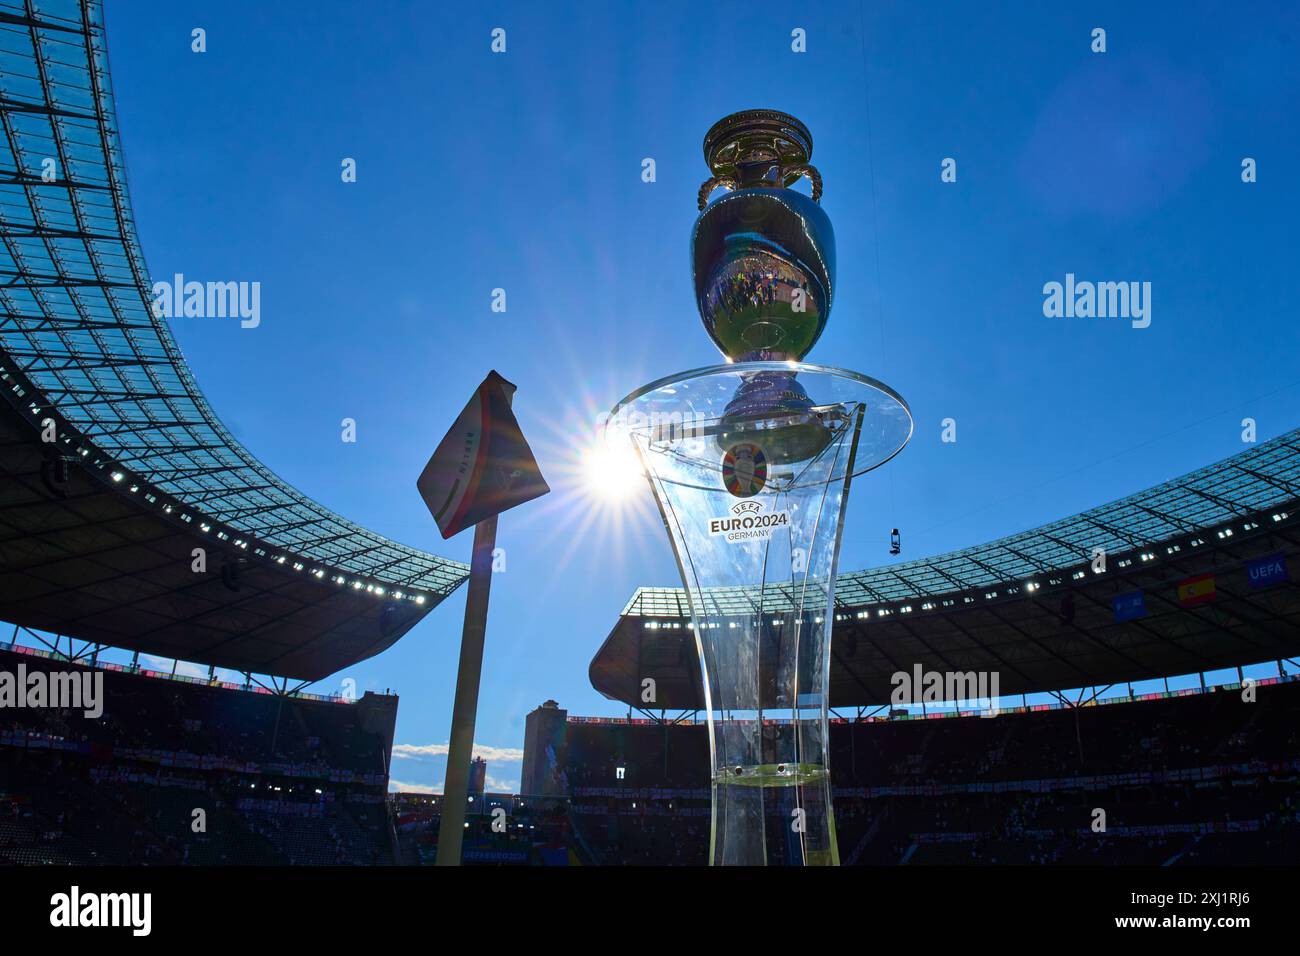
(751, 465)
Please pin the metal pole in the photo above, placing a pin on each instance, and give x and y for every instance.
(455, 791)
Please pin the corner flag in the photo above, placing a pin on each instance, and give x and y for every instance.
(483, 466)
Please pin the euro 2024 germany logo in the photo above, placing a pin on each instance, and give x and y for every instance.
(749, 522)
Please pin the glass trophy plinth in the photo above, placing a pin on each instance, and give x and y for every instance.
(750, 464)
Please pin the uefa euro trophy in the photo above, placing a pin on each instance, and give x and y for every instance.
(750, 463)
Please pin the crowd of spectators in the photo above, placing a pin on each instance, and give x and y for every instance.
(183, 773)
(500, 829)
(1206, 777)
(1201, 778)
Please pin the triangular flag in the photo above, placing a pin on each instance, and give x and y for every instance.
(483, 466)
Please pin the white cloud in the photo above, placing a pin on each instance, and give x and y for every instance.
(494, 785)
(183, 668)
(490, 754)
(396, 786)
(491, 785)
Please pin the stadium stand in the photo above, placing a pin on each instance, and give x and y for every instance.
(528, 831)
(281, 779)
(1191, 777)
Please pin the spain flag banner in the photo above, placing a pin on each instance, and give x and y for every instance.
(1196, 590)
(483, 466)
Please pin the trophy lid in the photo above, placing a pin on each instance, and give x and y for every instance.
(757, 148)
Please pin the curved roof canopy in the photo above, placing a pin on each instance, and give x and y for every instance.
(1252, 481)
(76, 320)
(1029, 606)
(89, 553)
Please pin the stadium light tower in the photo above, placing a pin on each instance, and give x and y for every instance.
(750, 463)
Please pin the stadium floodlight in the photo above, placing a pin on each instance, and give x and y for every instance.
(750, 463)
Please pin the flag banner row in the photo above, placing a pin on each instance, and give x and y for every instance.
(1261, 573)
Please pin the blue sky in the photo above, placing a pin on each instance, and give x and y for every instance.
(522, 171)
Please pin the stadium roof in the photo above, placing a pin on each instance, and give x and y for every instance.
(89, 553)
(1252, 481)
(99, 528)
(1030, 606)
(76, 317)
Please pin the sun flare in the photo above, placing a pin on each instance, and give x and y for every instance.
(612, 472)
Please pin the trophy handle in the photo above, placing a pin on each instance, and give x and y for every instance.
(712, 183)
(814, 177)
(803, 169)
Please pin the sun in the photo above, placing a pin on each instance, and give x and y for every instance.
(611, 471)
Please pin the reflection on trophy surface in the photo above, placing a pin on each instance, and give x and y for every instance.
(764, 263)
